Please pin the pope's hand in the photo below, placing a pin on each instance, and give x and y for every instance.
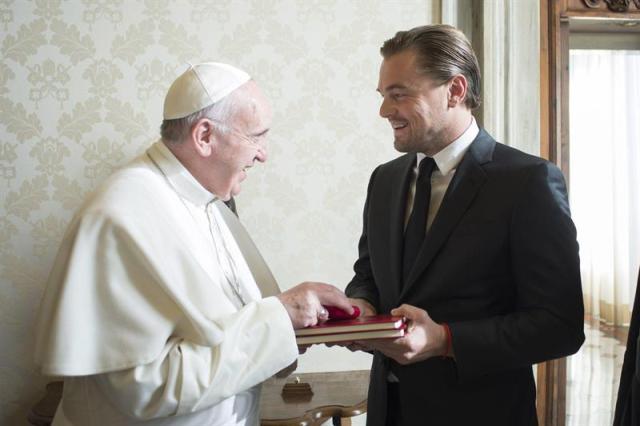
(424, 338)
(304, 303)
(365, 307)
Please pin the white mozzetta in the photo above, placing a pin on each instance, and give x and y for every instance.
(141, 319)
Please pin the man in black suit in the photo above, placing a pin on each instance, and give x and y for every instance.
(628, 403)
(482, 260)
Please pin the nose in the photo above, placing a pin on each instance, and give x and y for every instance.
(386, 110)
(262, 154)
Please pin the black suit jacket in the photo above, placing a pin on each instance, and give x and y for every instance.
(499, 265)
(628, 403)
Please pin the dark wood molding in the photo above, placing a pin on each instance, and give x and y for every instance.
(601, 8)
(618, 6)
(545, 82)
(552, 397)
(621, 6)
(477, 42)
(591, 3)
(555, 16)
(554, 31)
(554, 67)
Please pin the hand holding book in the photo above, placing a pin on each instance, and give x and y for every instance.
(304, 303)
(423, 339)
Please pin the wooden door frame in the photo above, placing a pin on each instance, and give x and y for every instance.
(555, 16)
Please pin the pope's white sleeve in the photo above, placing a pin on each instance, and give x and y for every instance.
(258, 342)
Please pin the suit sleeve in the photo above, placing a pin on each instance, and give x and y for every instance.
(362, 285)
(547, 321)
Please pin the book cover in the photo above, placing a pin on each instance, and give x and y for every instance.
(348, 337)
(364, 323)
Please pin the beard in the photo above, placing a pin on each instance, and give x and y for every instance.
(406, 145)
(411, 143)
(427, 142)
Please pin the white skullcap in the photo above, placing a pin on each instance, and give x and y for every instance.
(200, 86)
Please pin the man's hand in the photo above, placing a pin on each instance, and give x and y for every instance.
(424, 338)
(304, 303)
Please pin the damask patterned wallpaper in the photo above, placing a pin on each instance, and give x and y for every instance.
(81, 89)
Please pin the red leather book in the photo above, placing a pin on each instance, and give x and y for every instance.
(336, 313)
(362, 328)
(351, 336)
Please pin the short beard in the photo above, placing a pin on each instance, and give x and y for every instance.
(407, 146)
(429, 146)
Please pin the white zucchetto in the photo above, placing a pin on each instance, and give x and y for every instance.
(200, 86)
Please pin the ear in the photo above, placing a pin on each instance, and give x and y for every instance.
(457, 90)
(203, 137)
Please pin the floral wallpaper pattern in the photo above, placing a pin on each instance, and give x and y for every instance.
(81, 90)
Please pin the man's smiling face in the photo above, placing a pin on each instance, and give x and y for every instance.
(414, 104)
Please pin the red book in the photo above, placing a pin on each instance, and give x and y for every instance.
(362, 328)
(336, 313)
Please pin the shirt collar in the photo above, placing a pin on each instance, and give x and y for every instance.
(178, 176)
(449, 157)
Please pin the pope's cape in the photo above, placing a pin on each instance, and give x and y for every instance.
(126, 280)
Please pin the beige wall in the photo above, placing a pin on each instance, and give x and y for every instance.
(81, 87)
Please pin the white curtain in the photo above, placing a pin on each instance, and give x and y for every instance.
(605, 177)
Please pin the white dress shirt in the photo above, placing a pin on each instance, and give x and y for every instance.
(446, 162)
(151, 314)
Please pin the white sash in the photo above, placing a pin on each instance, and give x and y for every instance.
(258, 267)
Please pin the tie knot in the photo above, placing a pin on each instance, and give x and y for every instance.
(427, 165)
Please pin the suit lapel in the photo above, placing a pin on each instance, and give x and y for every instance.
(398, 202)
(464, 186)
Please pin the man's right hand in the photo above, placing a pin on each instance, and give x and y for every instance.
(304, 303)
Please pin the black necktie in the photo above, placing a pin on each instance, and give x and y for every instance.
(417, 226)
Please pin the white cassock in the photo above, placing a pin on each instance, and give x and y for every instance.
(151, 313)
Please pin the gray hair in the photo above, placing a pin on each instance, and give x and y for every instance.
(177, 130)
(442, 51)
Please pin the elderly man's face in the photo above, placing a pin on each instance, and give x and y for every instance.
(245, 142)
(414, 105)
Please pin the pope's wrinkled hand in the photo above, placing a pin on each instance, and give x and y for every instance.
(304, 303)
(365, 307)
(424, 338)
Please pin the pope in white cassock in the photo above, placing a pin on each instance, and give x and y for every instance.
(153, 312)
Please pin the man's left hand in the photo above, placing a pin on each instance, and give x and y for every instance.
(424, 338)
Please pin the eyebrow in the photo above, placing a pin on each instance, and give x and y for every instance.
(392, 87)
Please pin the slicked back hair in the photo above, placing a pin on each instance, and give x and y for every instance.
(442, 51)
